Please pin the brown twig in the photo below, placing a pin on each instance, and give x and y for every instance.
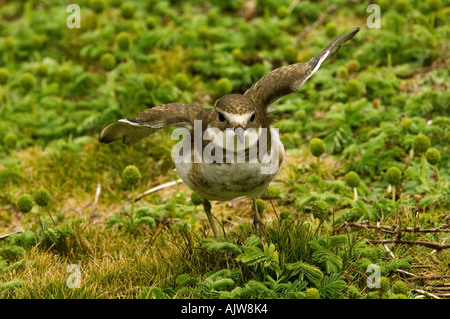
(319, 21)
(97, 195)
(410, 242)
(394, 230)
(426, 293)
(429, 277)
(157, 188)
(7, 235)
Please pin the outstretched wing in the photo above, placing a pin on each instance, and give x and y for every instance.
(150, 121)
(288, 79)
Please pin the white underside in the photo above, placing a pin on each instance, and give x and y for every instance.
(231, 180)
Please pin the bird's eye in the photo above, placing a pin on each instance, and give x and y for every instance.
(221, 117)
(252, 119)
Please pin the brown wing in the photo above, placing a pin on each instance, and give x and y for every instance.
(288, 79)
(150, 121)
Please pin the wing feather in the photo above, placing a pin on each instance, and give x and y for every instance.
(150, 121)
(290, 78)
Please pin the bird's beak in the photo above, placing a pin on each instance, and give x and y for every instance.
(239, 132)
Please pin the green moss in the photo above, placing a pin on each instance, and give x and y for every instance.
(11, 253)
(400, 296)
(433, 156)
(343, 72)
(282, 12)
(151, 22)
(237, 53)
(317, 146)
(8, 43)
(97, 5)
(393, 176)
(108, 62)
(320, 209)
(27, 81)
(354, 293)
(123, 41)
(65, 74)
(385, 284)
(352, 179)
(4, 76)
(196, 199)
(373, 295)
(406, 123)
(289, 54)
(353, 66)
(131, 176)
(434, 5)
(116, 3)
(41, 197)
(447, 137)
(286, 214)
(331, 30)
(25, 203)
(42, 70)
(312, 293)
(149, 81)
(353, 88)
(127, 10)
(181, 81)
(401, 6)
(421, 143)
(10, 140)
(274, 192)
(400, 287)
(261, 206)
(223, 86)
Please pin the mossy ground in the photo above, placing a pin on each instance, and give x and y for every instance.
(394, 73)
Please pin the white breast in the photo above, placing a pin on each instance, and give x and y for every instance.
(226, 181)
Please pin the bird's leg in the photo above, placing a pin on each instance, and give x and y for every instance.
(207, 207)
(256, 219)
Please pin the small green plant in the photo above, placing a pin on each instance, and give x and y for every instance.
(385, 284)
(320, 211)
(149, 82)
(123, 41)
(10, 141)
(65, 75)
(312, 293)
(108, 62)
(352, 180)
(25, 203)
(400, 287)
(131, 177)
(421, 144)
(317, 148)
(97, 6)
(223, 86)
(41, 198)
(434, 157)
(393, 177)
(354, 293)
(181, 81)
(127, 10)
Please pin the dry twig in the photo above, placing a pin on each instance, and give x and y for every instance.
(319, 21)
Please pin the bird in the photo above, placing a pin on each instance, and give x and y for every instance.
(233, 128)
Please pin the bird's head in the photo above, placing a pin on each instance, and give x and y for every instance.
(238, 114)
